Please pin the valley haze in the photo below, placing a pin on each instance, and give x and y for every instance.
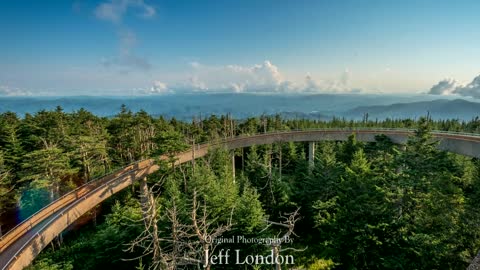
(317, 106)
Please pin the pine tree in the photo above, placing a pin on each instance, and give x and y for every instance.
(8, 194)
(48, 169)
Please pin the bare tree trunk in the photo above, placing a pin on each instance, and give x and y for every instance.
(280, 160)
(204, 233)
(270, 162)
(149, 211)
(275, 257)
(289, 224)
(475, 264)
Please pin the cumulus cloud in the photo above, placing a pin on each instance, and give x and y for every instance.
(443, 87)
(159, 88)
(310, 84)
(288, 87)
(263, 77)
(12, 91)
(470, 90)
(259, 78)
(340, 85)
(450, 86)
(196, 84)
(114, 10)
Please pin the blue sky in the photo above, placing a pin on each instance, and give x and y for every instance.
(61, 47)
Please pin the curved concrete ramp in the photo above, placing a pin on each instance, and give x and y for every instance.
(23, 243)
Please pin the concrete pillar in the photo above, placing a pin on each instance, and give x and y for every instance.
(233, 165)
(311, 154)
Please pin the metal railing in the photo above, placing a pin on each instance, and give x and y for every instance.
(46, 211)
(69, 207)
(344, 129)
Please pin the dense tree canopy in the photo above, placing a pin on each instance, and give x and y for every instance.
(361, 206)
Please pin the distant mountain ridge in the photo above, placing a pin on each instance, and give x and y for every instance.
(437, 109)
(319, 106)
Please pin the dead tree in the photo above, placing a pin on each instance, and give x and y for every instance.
(185, 244)
(205, 234)
(190, 244)
(149, 239)
(276, 244)
(177, 250)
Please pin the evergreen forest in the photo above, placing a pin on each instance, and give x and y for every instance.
(359, 205)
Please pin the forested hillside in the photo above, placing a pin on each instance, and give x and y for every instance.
(360, 206)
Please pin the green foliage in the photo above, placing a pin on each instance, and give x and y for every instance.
(7, 188)
(321, 264)
(249, 214)
(371, 205)
(348, 149)
(170, 142)
(102, 247)
(405, 215)
(49, 264)
(45, 168)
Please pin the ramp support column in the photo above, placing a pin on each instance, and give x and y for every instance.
(233, 165)
(311, 154)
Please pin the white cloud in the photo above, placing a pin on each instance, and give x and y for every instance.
(450, 86)
(159, 88)
(196, 84)
(259, 78)
(263, 77)
(289, 87)
(443, 87)
(12, 91)
(114, 10)
(310, 84)
(470, 90)
(340, 85)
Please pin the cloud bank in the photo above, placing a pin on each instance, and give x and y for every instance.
(159, 88)
(12, 91)
(443, 87)
(470, 90)
(450, 86)
(259, 78)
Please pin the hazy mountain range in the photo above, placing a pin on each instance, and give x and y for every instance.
(323, 106)
(441, 108)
